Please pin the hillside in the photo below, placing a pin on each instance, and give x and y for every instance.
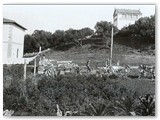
(98, 55)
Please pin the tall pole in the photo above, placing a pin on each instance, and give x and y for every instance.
(111, 47)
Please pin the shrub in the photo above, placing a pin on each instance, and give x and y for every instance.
(146, 106)
(71, 93)
(99, 109)
(15, 71)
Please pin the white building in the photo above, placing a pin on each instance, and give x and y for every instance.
(13, 42)
(124, 17)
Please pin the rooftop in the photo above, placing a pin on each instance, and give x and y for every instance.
(13, 22)
(132, 11)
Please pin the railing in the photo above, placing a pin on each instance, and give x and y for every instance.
(27, 60)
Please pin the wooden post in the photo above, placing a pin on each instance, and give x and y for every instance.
(40, 49)
(35, 66)
(25, 69)
(111, 47)
(40, 52)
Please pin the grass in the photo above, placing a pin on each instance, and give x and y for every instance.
(143, 86)
(98, 56)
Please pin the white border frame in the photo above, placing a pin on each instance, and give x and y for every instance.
(84, 2)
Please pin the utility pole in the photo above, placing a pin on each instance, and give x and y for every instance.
(111, 47)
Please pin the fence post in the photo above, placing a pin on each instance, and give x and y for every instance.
(40, 52)
(35, 66)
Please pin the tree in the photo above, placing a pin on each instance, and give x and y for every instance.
(104, 29)
(59, 38)
(145, 27)
(37, 39)
(142, 31)
(86, 32)
(28, 47)
(42, 38)
(76, 36)
(83, 33)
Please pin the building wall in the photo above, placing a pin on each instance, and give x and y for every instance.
(13, 42)
(17, 42)
(122, 20)
(124, 23)
(7, 38)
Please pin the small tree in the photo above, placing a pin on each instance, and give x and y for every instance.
(104, 29)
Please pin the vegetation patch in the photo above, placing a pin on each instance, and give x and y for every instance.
(82, 93)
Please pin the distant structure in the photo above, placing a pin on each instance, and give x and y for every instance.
(124, 17)
(13, 41)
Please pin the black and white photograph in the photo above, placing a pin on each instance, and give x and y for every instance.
(79, 60)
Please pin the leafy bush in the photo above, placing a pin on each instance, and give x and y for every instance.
(146, 106)
(15, 71)
(99, 109)
(83, 93)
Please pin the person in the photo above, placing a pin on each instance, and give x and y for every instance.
(107, 64)
(41, 67)
(77, 69)
(88, 66)
(118, 63)
(43, 64)
(43, 61)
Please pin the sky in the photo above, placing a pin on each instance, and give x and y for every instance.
(63, 17)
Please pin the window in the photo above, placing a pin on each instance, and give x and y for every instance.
(124, 16)
(17, 52)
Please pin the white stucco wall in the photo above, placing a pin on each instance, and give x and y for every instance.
(121, 22)
(7, 37)
(13, 40)
(18, 42)
(124, 23)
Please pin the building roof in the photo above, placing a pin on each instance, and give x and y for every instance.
(13, 22)
(129, 11)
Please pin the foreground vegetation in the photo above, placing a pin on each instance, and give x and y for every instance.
(85, 94)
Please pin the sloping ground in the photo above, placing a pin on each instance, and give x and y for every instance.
(98, 56)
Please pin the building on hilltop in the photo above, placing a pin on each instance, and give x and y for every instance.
(13, 41)
(124, 17)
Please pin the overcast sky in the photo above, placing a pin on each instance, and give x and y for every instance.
(63, 17)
